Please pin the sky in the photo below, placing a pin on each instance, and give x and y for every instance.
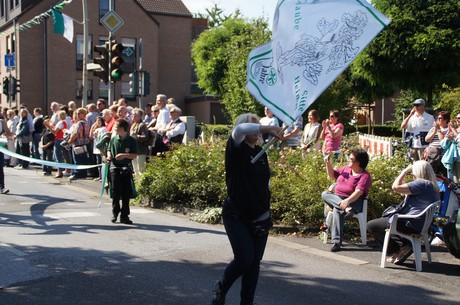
(249, 8)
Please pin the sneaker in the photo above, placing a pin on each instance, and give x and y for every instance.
(73, 177)
(18, 167)
(404, 254)
(218, 296)
(350, 213)
(126, 221)
(66, 174)
(4, 191)
(335, 247)
(114, 218)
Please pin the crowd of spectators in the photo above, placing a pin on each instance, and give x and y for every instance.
(71, 135)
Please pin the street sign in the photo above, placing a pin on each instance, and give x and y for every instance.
(111, 21)
(9, 60)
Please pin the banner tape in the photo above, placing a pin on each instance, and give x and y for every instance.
(104, 169)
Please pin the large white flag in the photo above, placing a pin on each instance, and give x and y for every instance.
(313, 42)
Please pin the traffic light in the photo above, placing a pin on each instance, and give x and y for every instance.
(145, 84)
(134, 83)
(117, 60)
(103, 61)
(6, 86)
(14, 86)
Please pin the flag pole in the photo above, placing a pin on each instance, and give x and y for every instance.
(267, 146)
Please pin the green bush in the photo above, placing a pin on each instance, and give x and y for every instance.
(193, 176)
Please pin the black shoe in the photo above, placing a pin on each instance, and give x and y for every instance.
(350, 214)
(126, 221)
(218, 296)
(114, 218)
(335, 247)
(72, 178)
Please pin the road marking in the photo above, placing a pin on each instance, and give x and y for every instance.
(70, 215)
(142, 211)
(13, 250)
(327, 254)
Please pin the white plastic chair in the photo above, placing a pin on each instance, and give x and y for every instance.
(415, 239)
(361, 216)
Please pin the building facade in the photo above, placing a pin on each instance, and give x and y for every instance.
(50, 68)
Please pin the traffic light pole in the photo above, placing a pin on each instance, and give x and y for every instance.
(141, 48)
(110, 93)
(84, 80)
(110, 83)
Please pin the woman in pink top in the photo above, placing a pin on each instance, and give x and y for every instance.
(332, 134)
(353, 184)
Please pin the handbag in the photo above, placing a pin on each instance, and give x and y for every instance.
(393, 209)
(80, 149)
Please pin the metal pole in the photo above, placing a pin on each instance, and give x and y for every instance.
(264, 149)
(383, 110)
(111, 88)
(140, 75)
(84, 79)
(45, 66)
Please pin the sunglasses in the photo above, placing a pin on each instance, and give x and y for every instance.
(458, 118)
(440, 118)
(331, 116)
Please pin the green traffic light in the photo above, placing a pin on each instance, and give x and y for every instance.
(116, 74)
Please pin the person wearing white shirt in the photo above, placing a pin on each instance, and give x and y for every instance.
(163, 117)
(417, 126)
(175, 130)
(269, 120)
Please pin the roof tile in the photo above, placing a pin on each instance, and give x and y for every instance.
(169, 7)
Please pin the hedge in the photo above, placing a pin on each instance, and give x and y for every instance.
(192, 177)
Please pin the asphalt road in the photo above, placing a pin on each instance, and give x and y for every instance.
(58, 247)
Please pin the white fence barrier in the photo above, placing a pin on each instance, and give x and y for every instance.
(375, 145)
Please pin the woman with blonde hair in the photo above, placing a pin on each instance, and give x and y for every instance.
(312, 132)
(58, 131)
(419, 193)
(246, 211)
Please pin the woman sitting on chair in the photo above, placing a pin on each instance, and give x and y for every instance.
(353, 184)
(419, 193)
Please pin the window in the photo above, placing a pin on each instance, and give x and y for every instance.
(129, 55)
(103, 8)
(79, 46)
(104, 90)
(2, 9)
(79, 89)
(9, 44)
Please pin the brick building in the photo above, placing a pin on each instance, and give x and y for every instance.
(50, 68)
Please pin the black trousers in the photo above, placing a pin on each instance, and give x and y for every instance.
(121, 180)
(248, 250)
(378, 226)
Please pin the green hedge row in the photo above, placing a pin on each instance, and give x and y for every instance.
(193, 177)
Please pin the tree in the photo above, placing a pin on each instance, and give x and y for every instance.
(216, 17)
(220, 56)
(420, 49)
